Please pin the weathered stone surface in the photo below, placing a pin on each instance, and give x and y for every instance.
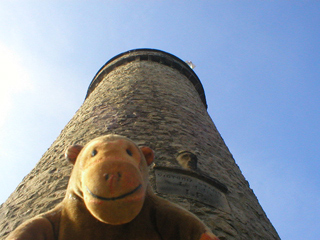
(155, 101)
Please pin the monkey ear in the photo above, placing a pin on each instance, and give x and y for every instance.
(148, 154)
(72, 153)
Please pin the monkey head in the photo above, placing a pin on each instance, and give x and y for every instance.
(110, 175)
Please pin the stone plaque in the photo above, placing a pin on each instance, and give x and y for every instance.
(191, 185)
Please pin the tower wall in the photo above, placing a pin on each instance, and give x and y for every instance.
(155, 99)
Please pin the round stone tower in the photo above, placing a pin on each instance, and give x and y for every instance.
(155, 99)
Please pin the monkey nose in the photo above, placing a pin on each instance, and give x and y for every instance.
(106, 176)
(112, 177)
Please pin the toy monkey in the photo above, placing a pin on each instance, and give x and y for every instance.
(109, 198)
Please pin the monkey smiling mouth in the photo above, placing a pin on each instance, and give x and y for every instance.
(114, 198)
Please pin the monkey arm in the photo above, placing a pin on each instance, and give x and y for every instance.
(38, 228)
(42, 227)
(208, 236)
(174, 222)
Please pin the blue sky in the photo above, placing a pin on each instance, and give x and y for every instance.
(258, 62)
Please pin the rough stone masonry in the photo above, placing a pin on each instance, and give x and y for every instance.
(155, 99)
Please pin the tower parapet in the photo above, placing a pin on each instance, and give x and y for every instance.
(152, 55)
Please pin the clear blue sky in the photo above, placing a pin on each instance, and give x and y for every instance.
(259, 62)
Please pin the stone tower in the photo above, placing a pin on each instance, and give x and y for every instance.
(155, 99)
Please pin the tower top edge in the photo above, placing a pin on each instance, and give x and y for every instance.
(153, 55)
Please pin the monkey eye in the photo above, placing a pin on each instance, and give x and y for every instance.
(94, 152)
(129, 152)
